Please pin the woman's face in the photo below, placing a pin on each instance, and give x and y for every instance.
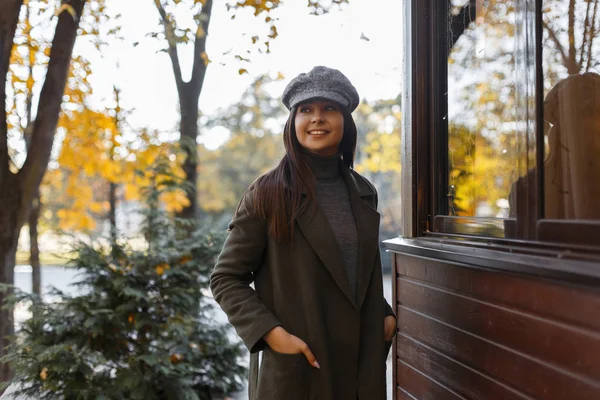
(320, 127)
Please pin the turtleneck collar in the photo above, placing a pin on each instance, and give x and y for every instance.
(325, 168)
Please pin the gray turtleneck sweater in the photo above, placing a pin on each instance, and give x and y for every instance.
(332, 199)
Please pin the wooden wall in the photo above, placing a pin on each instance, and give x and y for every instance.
(467, 333)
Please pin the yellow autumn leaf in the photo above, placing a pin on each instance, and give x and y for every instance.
(185, 259)
(242, 71)
(68, 8)
(44, 374)
(161, 268)
(175, 358)
(30, 82)
(274, 32)
(175, 201)
(205, 58)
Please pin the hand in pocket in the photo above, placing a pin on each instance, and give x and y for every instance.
(283, 342)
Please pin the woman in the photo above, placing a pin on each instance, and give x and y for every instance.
(306, 234)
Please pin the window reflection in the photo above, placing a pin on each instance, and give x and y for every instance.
(487, 130)
(572, 109)
(492, 172)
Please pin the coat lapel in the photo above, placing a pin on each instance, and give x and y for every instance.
(364, 204)
(320, 237)
(318, 233)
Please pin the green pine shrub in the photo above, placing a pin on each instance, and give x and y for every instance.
(140, 326)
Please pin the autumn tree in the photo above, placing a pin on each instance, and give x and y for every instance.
(20, 185)
(178, 35)
(29, 55)
(95, 159)
(29, 61)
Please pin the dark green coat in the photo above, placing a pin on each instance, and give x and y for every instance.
(305, 289)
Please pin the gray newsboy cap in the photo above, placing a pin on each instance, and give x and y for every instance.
(321, 83)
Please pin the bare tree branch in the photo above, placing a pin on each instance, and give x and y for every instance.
(171, 43)
(9, 17)
(586, 28)
(48, 110)
(200, 64)
(557, 43)
(460, 22)
(572, 64)
(29, 97)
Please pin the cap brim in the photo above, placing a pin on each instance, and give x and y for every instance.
(320, 94)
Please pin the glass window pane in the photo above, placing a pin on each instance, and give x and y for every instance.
(571, 66)
(491, 116)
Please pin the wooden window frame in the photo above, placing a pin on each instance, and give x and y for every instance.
(425, 146)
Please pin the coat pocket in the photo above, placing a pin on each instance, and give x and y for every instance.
(283, 376)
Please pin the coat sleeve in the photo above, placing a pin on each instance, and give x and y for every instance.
(234, 272)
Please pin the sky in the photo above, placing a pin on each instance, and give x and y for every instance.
(336, 40)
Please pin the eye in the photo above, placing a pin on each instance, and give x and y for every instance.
(330, 107)
(304, 109)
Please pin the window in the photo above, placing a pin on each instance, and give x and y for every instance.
(496, 174)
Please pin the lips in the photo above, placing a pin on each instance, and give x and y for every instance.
(318, 132)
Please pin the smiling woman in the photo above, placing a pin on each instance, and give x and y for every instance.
(306, 234)
(320, 127)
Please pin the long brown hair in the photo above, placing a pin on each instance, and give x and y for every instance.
(279, 194)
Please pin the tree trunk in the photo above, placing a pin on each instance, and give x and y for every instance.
(9, 236)
(9, 184)
(188, 133)
(17, 191)
(189, 93)
(34, 250)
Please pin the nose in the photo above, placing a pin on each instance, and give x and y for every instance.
(317, 116)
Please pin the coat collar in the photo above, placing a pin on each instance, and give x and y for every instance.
(318, 233)
(351, 178)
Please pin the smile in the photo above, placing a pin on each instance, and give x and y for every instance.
(317, 132)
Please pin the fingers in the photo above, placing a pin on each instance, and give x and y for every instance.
(310, 357)
(389, 327)
(388, 333)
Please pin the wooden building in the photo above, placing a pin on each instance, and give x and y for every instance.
(497, 270)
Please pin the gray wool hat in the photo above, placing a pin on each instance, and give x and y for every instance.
(321, 83)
